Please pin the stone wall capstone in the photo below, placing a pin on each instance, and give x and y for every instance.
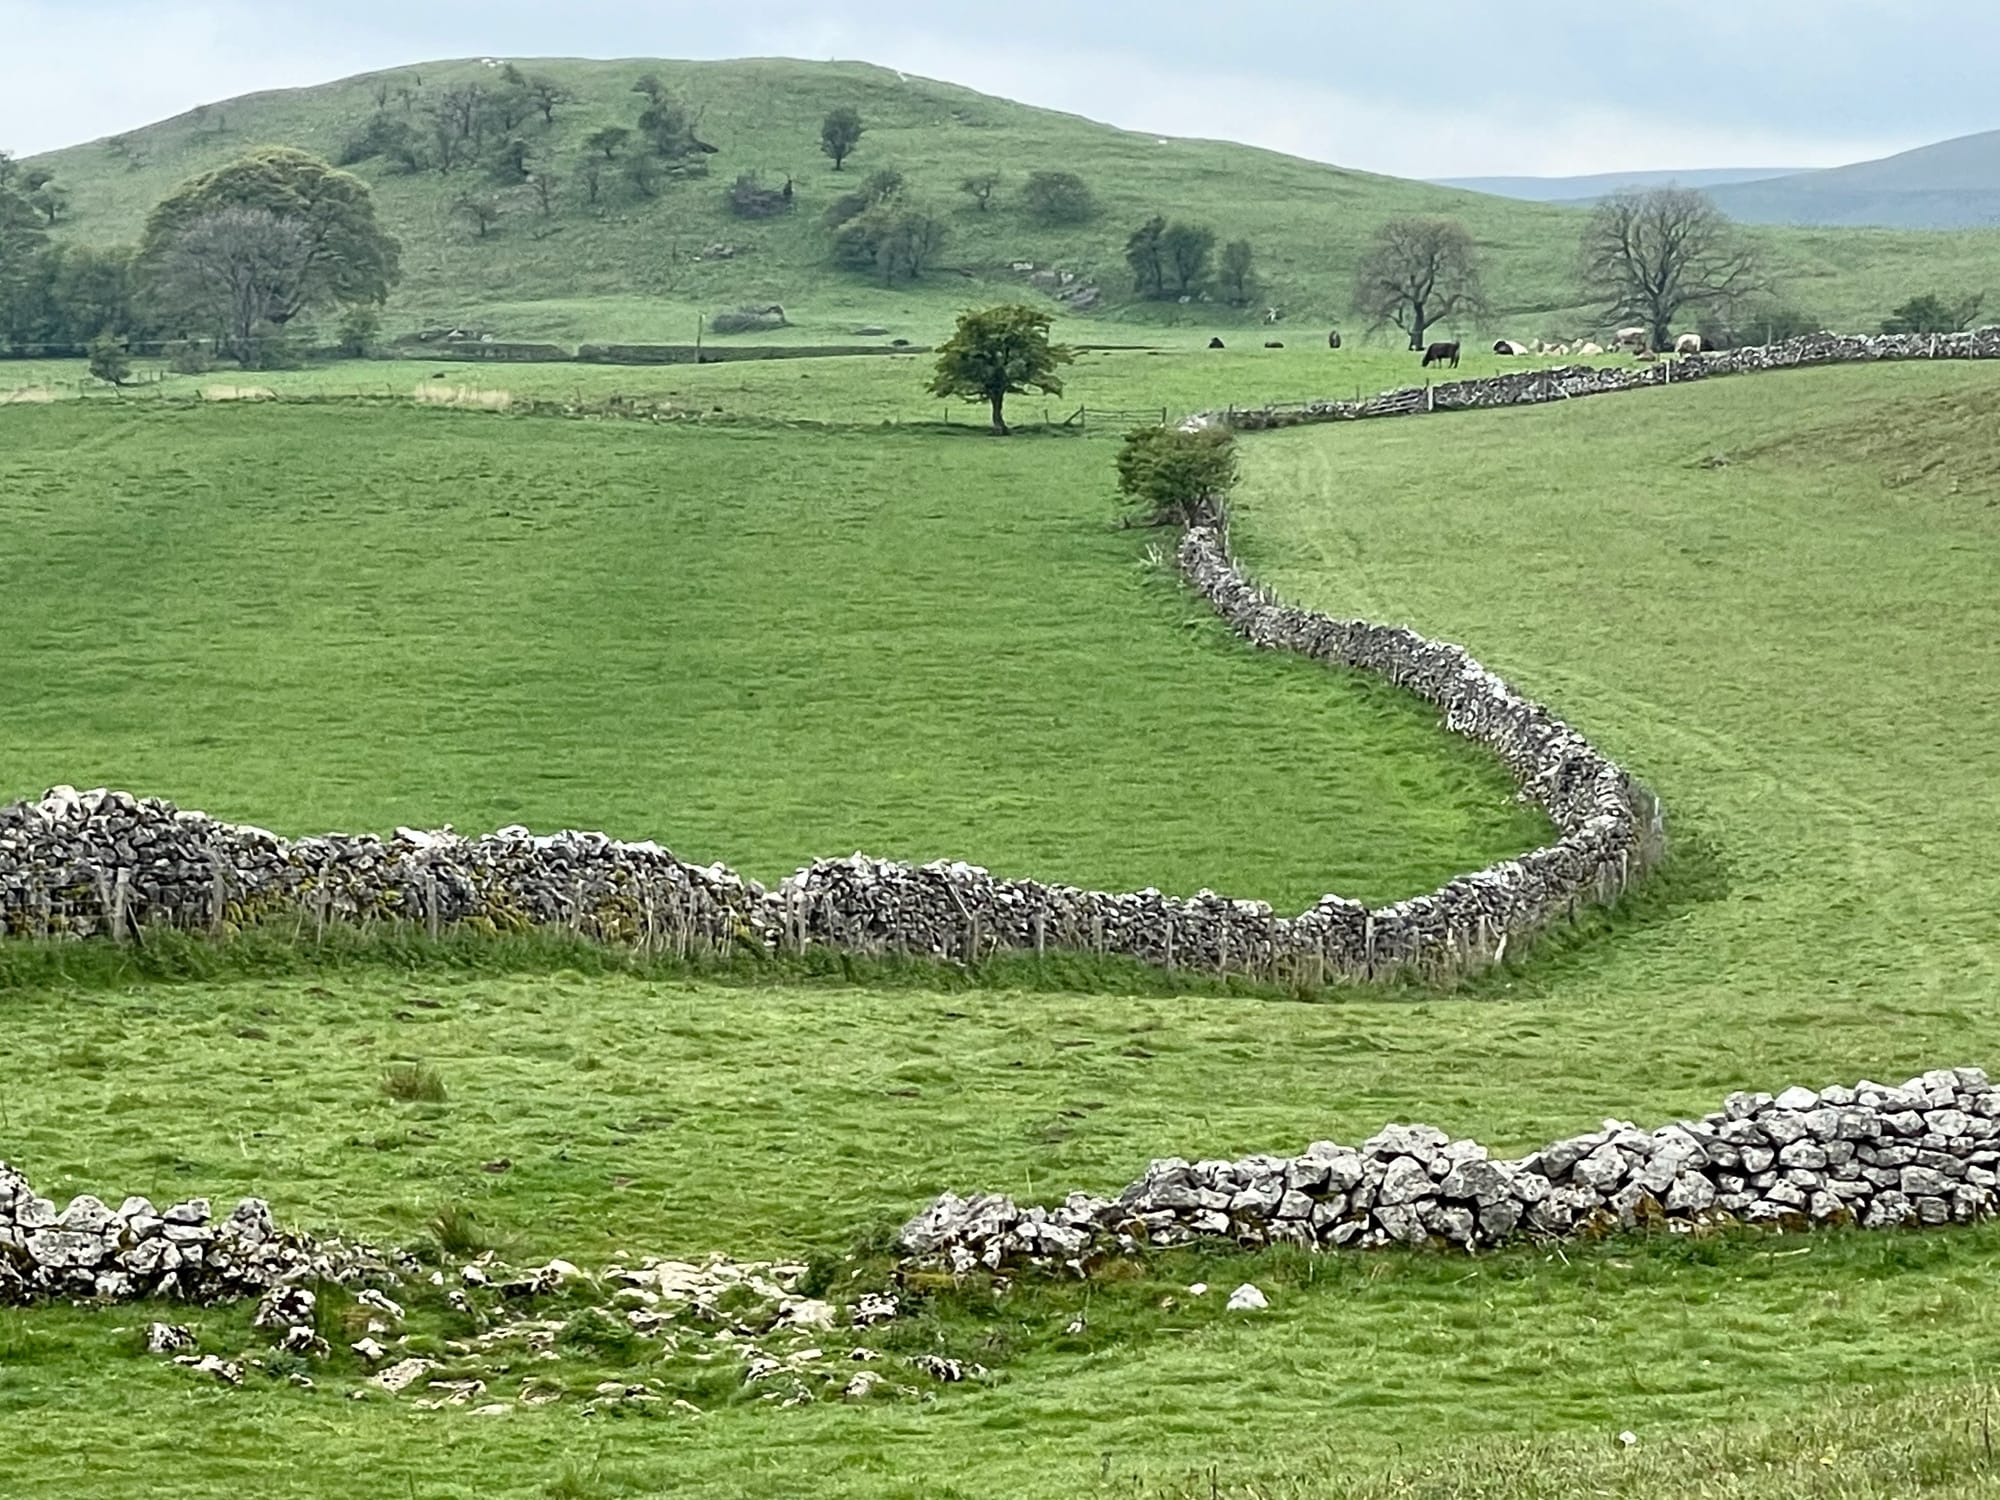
(1922, 1153)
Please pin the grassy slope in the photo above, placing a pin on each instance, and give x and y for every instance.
(1765, 640)
(759, 646)
(622, 274)
(1952, 184)
(1783, 645)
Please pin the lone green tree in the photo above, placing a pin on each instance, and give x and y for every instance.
(840, 133)
(107, 359)
(1169, 475)
(1000, 352)
(336, 251)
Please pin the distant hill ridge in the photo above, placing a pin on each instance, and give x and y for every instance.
(633, 267)
(1953, 184)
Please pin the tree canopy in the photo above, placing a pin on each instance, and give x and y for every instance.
(997, 353)
(1418, 272)
(840, 133)
(1934, 313)
(1652, 256)
(344, 255)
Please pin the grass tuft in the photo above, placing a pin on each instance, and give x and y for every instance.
(413, 1083)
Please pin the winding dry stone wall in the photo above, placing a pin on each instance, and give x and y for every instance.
(1540, 386)
(1920, 1154)
(106, 863)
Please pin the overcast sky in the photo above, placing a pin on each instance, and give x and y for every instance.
(1431, 89)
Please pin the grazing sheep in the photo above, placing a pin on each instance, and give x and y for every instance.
(1633, 340)
(1561, 351)
(1587, 349)
(1688, 343)
(1508, 347)
(1439, 354)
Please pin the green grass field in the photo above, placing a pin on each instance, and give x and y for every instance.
(623, 270)
(757, 646)
(1769, 596)
(1175, 374)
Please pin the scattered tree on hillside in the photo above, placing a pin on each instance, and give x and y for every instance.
(896, 239)
(9, 166)
(384, 136)
(669, 127)
(979, 188)
(545, 185)
(1186, 249)
(547, 96)
(609, 141)
(511, 103)
(997, 353)
(1146, 255)
(1058, 198)
(878, 187)
(232, 269)
(509, 165)
(1652, 256)
(302, 232)
(381, 91)
(840, 133)
(50, 200)
(1237, 276)
(1174, 477)
(1418, 272)
(590, 172)
(108, 361)
(748, 198)
(1931, 313)
(480, 210)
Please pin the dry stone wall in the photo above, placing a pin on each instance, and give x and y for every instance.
(1919, 1154)
(1539, 386)
(107, 863)
(91, 1250)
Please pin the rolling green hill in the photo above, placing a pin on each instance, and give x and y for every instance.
(627, 268)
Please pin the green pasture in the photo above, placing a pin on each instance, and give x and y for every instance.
(755, 645)
(1770, 596)
(1174, 374)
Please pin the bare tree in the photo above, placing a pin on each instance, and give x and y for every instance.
(545, 185)
(235, 270)
(1651, 255)
(1419, 272)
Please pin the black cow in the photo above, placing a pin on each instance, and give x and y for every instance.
(1441, 354)
(1333, 339)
